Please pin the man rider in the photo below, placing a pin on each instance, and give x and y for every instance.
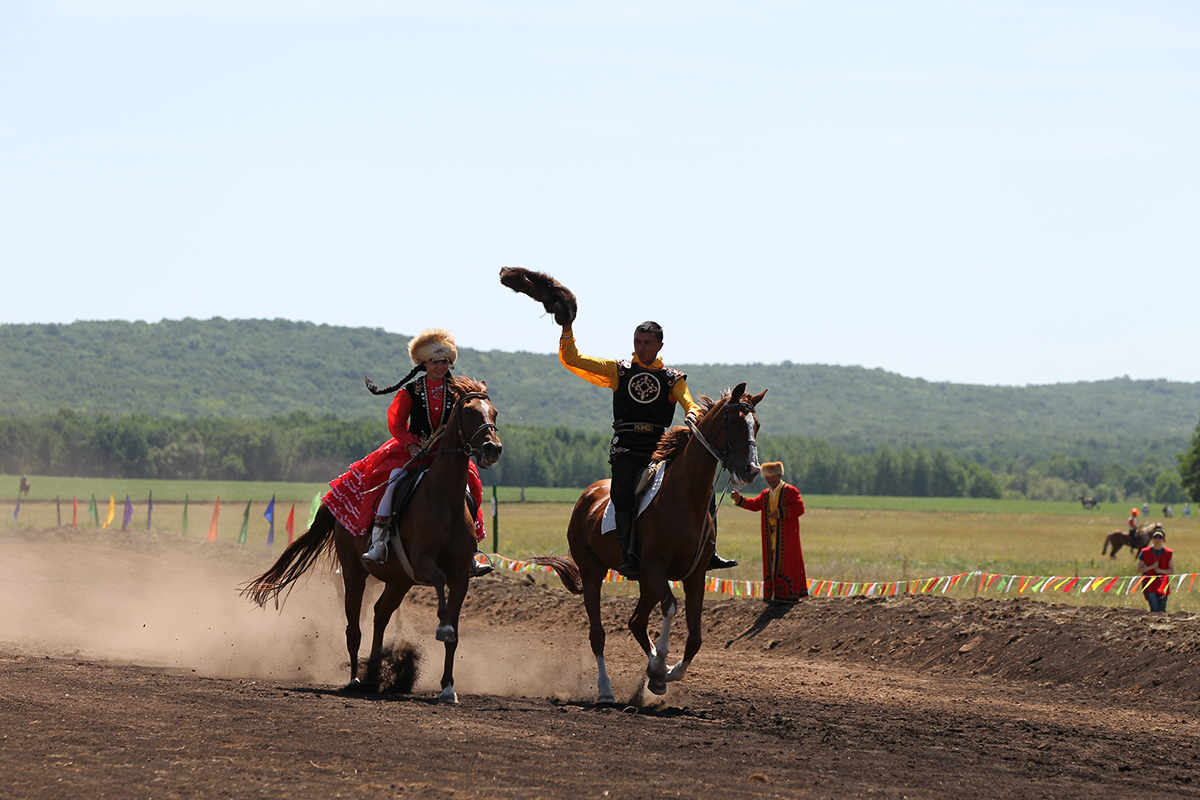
(644, 397)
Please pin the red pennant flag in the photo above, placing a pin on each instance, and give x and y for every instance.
(75, 513)
(291, 524)
(212, 526)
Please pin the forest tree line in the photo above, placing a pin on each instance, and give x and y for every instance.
(301, 447)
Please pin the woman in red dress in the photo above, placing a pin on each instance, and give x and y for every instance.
(417, 411)
(784, 581)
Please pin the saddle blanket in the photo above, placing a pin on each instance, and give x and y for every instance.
(609, 523)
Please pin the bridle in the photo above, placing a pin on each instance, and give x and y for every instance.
(468, 446)
(725, 455)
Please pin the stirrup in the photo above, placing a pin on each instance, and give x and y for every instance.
(377, 553)
(716, 562)
(479, 570)
(632, 568)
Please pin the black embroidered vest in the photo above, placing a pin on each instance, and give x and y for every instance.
(642, 406)
(419, 422)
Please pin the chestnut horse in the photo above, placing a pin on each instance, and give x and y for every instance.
(675, 533)
(1118, 539)
(436, 531)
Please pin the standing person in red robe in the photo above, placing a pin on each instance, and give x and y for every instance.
(784, 581)
(418, 410)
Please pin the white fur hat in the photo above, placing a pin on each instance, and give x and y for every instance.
(431, 345)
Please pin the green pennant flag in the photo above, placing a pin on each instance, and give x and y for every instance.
(93, 512)
(245, 524)
(313, 508)
(185, 501)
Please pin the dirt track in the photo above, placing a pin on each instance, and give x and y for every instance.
(129, 668)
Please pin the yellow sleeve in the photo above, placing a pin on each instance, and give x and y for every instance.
(597, 371)
(681, 395)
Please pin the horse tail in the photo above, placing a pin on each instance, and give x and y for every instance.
(565, 568)
(296, 560)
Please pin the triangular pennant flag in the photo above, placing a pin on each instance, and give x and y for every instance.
(17, 510)
(245, 524)
(149, 509)
(185, 504)
(93, 513)
(112, 510)
(212, 526)
(58, 505)
(290, 527)
(313, 508)
(128, 513)
(270, 515)
(74, 511)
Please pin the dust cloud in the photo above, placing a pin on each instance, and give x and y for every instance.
(160, 600)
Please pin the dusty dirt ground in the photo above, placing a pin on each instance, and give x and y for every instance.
(129, 667)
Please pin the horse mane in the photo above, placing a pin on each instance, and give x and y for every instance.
(676, 438)
(461, 385)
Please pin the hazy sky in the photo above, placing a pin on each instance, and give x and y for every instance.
(979, 192)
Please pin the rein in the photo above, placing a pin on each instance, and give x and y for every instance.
(468, 447)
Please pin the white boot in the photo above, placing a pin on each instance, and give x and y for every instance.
(377, 553)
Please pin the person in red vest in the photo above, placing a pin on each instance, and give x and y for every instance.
(417, 411)
(784, 581)
(1157, 561)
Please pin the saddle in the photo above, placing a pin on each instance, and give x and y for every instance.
(648, 483)
(405, 488)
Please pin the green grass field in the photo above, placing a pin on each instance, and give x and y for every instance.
(857, 539)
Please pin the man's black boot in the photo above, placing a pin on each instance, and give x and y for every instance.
(632, 568)
(716, 562)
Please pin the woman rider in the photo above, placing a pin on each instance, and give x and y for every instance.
(417, 411)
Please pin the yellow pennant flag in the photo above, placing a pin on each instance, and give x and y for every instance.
(112, 511)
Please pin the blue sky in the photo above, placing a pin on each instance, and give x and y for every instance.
(999, 193)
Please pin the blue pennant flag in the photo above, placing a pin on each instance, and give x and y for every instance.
(128, 513)
(270, 515)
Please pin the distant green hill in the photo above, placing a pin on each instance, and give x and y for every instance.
(259, 368)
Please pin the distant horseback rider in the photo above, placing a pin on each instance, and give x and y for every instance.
(416, 414)
(24, 489)
(1133, 528)
(644, 397)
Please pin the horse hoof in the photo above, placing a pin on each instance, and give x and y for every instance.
(606, 700)
(446, 633)
(657, 687)
(359, 687)
(448, 697)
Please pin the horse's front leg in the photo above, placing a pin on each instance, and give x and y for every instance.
(385, 606)
(457, 591)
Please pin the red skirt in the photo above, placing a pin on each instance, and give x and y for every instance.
(354, 496)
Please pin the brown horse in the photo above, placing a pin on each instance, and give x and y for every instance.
(436, 536)
(1118, 539)
(675, 532)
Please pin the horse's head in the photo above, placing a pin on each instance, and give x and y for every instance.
(475, 422)
(731, 426)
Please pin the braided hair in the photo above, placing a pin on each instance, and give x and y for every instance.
(373, 389)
